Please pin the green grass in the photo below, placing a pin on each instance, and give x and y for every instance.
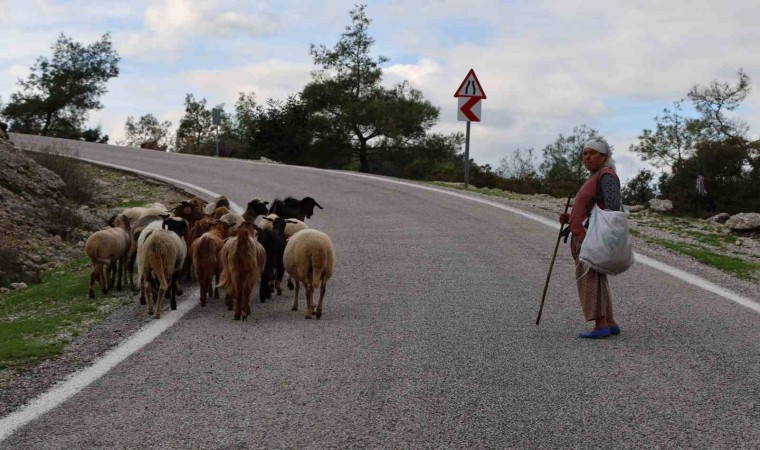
(486, 191)
(37, 323)
(736, 266)
(713, 239)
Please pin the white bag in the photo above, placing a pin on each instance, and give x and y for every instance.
(607, 246)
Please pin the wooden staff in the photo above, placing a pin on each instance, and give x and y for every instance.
(548, 276)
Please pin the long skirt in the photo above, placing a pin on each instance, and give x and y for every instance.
(593, 288)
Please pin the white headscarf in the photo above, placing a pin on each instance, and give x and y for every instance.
(602, 147)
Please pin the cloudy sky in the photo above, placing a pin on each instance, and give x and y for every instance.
(546, 66)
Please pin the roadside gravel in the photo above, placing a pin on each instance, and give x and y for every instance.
(113, 188)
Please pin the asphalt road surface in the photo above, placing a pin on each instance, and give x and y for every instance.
(427, 341)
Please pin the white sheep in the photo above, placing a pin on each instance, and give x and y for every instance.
(161, 258)
(107, 248)
(216, 203)
(292, 226)
(309, 259)
(233, 221)
(151, 209)
(176, 224)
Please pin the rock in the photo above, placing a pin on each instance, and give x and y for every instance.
(636, 208)
(719, 218)
(743, 222)
(267, 160)
(661, 205)
(4, 290)
(35, 258)
(18, 286)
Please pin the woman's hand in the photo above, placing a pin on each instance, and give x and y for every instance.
(564, 218)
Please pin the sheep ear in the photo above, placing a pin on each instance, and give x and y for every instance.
(291, 221)
(266, 203)
(110, 221)
(164, 216)
(185, 203)
(318, 205)
(268, 218)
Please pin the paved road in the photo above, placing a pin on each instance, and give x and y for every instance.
(427, 340)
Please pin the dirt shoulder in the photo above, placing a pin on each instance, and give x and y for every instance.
(119, 316)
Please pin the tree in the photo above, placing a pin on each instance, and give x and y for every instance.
(562, 166)
(196, 134)
(519, 165)
(712, 101)
(729, 170)
(147, 132)
(672, 141)
(347, 93)
(56, 97)
(94, 135)
(639, 189)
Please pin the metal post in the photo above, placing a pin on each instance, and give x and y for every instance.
(217, 141)
(467, 156)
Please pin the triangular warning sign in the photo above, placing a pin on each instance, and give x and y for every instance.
(470, 87)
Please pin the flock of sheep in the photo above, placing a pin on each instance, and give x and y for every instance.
(206, 239)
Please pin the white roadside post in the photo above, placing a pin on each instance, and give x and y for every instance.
(216, 119)
(470, 93)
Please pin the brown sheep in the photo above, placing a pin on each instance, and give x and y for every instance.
(242, 260)
(309, 258)
(107, 248)
(205, 255)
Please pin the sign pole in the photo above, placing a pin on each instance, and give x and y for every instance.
(217, 141)
(470, 93)
(467, 156)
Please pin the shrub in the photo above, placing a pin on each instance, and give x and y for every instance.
(79, 187)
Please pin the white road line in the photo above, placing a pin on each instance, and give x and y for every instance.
(81, 379)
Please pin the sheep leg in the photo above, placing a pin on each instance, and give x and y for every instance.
(321, 299)
(263, 291)
(228, 301)
(93, 276)
(146, 295)
(111, 274)
(131, 269)
(130, 275)
(216, 286)
(174, 288)
(119, 273)
(290, 283)
(204, 289)
(159, 302)
(309, 299)
(280, 270)
(238, 305)
(295, 297)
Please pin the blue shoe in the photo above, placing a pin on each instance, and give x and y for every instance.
(596, 334)
(614, 330)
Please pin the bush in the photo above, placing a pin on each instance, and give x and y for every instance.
(639, 189)
(79, 187)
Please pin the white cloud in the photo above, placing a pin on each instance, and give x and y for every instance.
(171, 25)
